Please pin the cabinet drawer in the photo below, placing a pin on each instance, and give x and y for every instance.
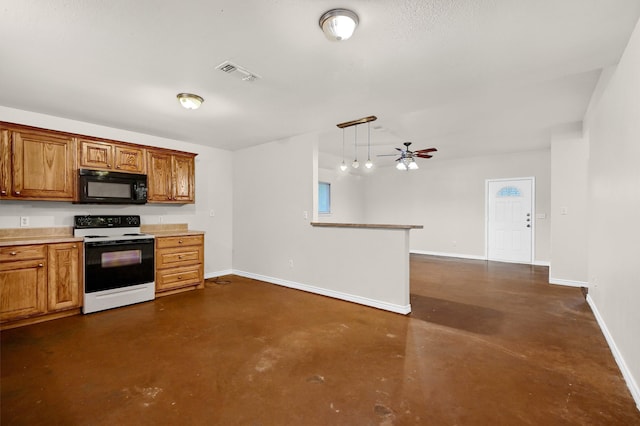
(179, 277)
(189, 240)
(11, 253)
(179, 256)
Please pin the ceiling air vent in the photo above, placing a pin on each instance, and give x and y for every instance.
(237, 71)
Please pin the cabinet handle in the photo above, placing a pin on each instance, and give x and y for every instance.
(3, 192)
(118, 166)
(179, 241)
(179, 277)
(40, 265)
(17, 192)
(109, 165)
(13, 253)
(74, 246)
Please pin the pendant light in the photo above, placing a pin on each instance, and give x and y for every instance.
(368, 164)
(355, 163)
(343, 166)
(355, 123)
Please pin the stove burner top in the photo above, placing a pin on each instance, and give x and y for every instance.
(134, 233)
(95, 236)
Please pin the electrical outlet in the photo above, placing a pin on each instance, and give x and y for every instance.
(305, 215)
(24, 221)
(212, 213)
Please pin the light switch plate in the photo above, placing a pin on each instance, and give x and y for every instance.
(24, 221)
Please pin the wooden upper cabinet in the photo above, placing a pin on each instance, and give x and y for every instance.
(171, 177)
(5, 163)
(159, 177)
(43, 166)
(104, 155)
(183, 178)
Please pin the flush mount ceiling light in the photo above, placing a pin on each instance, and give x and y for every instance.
(190, 101)
(338, 24)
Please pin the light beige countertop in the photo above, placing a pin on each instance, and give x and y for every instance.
(27, 236)
(170, 230)
(365, 225)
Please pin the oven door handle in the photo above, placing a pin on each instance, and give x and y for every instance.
(118, 242)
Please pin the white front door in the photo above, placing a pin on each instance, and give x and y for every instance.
(510, 220)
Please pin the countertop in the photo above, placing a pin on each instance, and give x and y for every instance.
(64, 234)
(170, 230)
(27, 236)
(365, 225)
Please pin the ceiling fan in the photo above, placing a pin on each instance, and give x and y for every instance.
(406, 160)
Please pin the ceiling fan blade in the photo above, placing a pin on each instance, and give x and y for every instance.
(424, 151)
(400, 149)
(386, 155)
(420, 155)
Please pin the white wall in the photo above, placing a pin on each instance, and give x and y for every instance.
(569, 213)
(613, 130)
(448, 198)
(270, 232)
(347, 196)
(213, 191)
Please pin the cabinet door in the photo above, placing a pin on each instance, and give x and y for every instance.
(159, 175)
(22, 289)
(95, 155)
(43, 166)
(183, 179)
(63, 282)
(5, 163)
(129, 159)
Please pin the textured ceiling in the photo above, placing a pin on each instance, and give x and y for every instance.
(467, 76)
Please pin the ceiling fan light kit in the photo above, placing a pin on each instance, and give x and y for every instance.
(338, 24)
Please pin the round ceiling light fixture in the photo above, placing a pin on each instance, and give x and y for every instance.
(338, 24)
(190, 101)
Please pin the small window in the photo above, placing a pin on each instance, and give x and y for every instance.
(509, 191)
(324, 197)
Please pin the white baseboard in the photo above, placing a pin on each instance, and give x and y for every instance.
(218, 273)
(470, 256)
(626, 373)
(570, 283)
(399, 309)
(457, 255)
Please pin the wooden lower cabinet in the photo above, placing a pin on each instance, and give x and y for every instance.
(64, 280)
(38, 282)
(179, 263)
(22, 289)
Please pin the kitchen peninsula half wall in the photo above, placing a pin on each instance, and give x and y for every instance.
(369, 263)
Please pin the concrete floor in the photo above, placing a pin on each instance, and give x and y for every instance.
(487, 343)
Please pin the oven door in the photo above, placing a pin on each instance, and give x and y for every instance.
(116, 264)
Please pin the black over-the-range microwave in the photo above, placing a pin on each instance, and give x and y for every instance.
(104, 187)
